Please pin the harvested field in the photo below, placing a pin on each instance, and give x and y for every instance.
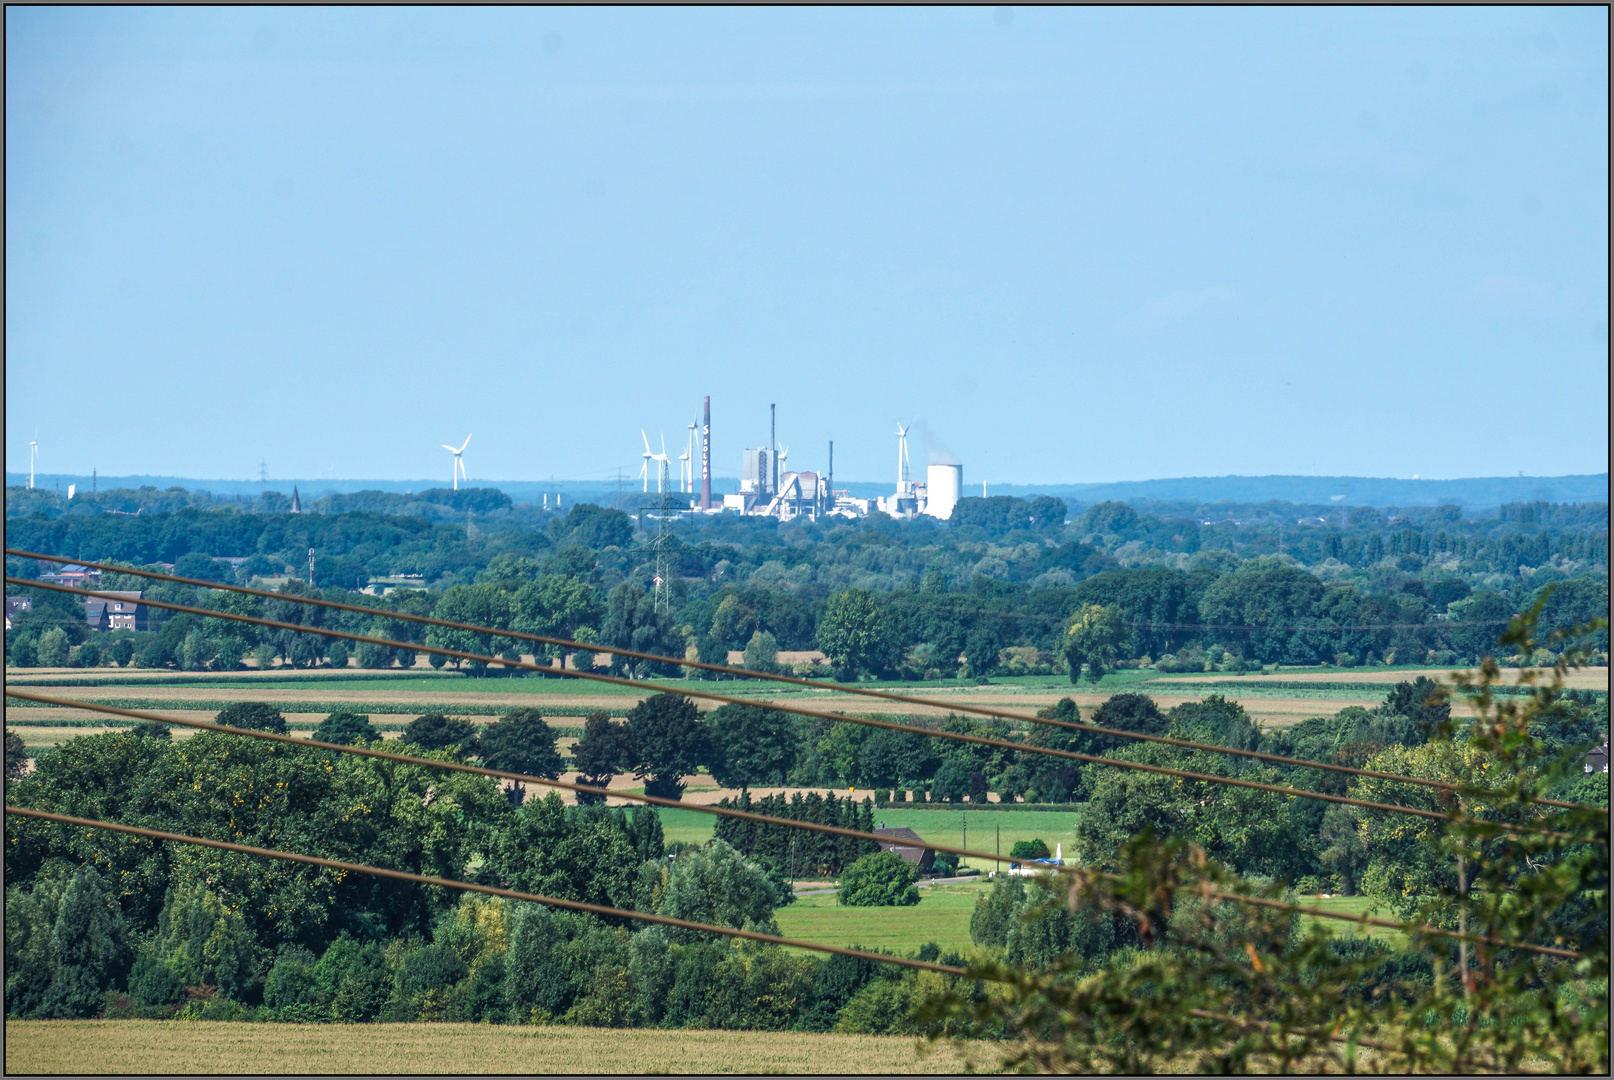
(147, 1047)
(1273, 700)
(1591, 678)
(40, 728)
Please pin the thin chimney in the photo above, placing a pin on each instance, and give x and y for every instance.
(706, 454)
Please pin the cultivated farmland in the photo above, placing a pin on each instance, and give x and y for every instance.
(156, 1047)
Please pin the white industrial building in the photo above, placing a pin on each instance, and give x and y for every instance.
(768, 489)
(944, 486)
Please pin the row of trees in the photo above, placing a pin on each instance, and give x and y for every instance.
(801, 851)
(1264, 612)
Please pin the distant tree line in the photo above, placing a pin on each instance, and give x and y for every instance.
(1007, 589)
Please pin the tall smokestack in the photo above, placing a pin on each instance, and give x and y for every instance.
(706, 454)
(773, 450)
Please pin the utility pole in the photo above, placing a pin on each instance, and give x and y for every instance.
(310, 568)
(965, 819)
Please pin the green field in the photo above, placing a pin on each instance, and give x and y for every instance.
(942, 915)
(987, 828)
(1350, 905)
(688, 826)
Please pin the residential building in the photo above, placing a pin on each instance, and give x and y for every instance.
(16, 605)
(73, 576)
(123, 612)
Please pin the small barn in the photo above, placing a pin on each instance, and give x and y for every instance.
(908, 844)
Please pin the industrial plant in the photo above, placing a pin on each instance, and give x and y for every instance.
(768, 487)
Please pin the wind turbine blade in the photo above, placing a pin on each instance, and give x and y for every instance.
(449, 448)
(463, 445)
(646, 439)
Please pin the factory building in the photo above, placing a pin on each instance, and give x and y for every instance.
(756, 472)
(800, 494)
(768, 489)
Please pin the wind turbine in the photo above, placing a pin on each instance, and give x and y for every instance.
(784, 457)
(662, 478)
(902, 459)
(644, 467)
(459, 460)
(33, 456)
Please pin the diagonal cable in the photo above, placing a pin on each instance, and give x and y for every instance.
(551, 901)
(813, 684)
(764, 819)
(490, 890)
(979, 740)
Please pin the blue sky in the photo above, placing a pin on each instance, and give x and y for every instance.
(1067, 245)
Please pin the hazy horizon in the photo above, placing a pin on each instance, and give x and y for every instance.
(1474, 493)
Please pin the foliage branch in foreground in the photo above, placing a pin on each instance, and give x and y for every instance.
(1225, 987)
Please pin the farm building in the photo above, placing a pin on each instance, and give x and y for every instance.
(910, 845)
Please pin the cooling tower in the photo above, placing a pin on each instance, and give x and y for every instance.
(944, 484)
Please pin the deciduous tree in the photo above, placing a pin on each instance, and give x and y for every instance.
(669, 742)
(1092, 636)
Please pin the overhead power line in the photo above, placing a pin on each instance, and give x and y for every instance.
(980, 740)
(792, 680)
(722, 811)
(489, 890)
(573, 905)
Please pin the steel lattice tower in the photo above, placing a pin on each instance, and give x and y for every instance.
(665, 544)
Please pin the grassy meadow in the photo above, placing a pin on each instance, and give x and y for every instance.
(942, 915)
(942, 825)
(143, 1047)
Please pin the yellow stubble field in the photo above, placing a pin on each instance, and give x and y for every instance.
(147, 1047)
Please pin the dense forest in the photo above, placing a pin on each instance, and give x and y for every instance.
(1008, 586)
(135, 928)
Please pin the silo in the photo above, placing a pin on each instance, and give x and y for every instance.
(944, 484)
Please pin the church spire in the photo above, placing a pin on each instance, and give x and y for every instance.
(296, 504)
